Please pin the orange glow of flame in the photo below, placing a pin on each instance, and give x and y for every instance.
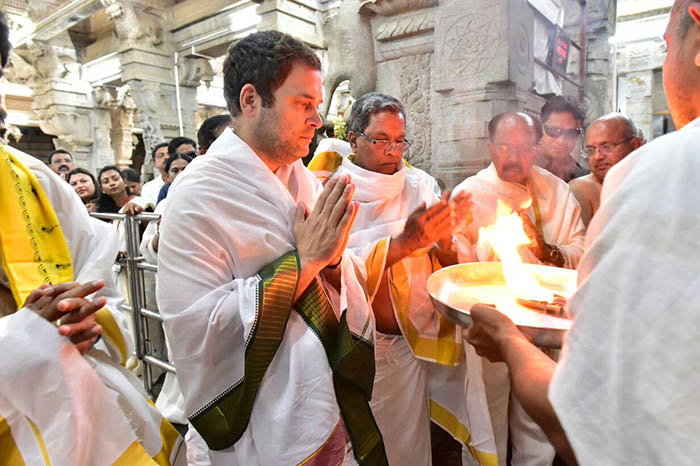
(505, 236)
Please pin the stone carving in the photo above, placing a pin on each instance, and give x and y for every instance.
(522, 42)
(471, 44)
(194, 70)
(350, 52)
(405, 27)
(393, 7)
(415, 95)
(133, 27)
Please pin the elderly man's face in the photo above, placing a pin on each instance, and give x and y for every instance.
(385, 155)
(608, 142)
(513, 149)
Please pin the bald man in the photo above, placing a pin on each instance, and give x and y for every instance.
(609, 139)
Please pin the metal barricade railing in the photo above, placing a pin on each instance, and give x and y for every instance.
(136, 265)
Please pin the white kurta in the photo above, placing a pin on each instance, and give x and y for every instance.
(67, 396)
(228, 216)
(561, 225)
(151, 189)
(625, 389)
(560, 212)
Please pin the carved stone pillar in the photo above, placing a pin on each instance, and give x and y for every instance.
(62, 100)
(455, 65)
(122, 114)
(102, 124)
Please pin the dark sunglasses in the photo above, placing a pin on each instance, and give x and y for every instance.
(555, 132)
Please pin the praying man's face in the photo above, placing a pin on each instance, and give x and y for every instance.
(385, 155)
(513, 149)
(285, 130)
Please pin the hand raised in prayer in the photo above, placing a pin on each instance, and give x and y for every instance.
(489, 330)
(427, 225)
(323, 234)
(65, 303)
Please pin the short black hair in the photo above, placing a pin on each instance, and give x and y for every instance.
(177, 142)
(369, 104)
(207, 131)
(158, 146)
(560, 103)
(263, 59)
(129, 174)
(177, 156)
(59, 151)
(493, 124)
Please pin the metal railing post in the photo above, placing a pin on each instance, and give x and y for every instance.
(136, 267)
(138, 296)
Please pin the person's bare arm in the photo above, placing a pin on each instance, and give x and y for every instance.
(495, 337)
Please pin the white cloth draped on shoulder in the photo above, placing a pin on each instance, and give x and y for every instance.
(559, 212)
(228, 217)
(625, 389)
(430, 353)
(73, 409)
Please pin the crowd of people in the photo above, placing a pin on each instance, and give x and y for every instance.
(294, 298)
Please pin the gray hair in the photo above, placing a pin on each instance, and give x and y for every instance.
(630, 126)
(370, 104)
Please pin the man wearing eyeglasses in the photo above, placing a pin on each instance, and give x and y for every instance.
(420, 360)
(552, 219)
(562, 120)
(609, 139)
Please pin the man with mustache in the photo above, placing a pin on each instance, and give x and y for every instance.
(421, 364)
(552, 219)
(625, 389)
(609, 139)
(61, 163)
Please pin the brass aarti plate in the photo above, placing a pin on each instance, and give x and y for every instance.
(454, 290)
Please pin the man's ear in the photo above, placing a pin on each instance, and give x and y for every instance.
(636, 143)
(694, 12)
(250, 100)
(352, 139)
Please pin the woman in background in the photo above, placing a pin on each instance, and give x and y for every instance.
(85, 186)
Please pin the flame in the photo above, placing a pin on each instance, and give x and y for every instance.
(505, 236)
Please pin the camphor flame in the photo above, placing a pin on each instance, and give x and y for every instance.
(505, 236)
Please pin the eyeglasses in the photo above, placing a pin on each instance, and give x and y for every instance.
(192, 154)
(605, 149)
(555, 132)
(386, 145)
(510, 150)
